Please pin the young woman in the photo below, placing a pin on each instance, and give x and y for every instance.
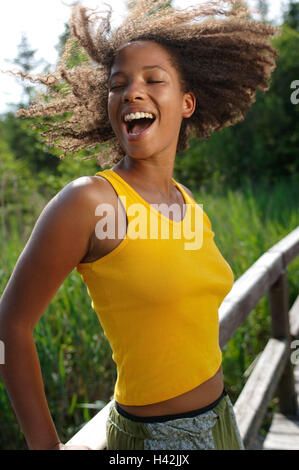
(151, 82)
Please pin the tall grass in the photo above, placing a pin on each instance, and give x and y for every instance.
(247, 223)
(74, 353)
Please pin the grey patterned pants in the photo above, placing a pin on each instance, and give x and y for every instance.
(212, 429)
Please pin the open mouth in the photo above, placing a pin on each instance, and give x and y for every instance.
(137, 127)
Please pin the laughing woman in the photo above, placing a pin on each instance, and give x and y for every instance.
(161, 77)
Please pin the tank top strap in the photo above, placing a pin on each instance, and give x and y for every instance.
(127, 195)
(121, 186)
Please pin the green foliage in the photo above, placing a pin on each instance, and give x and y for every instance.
(25, 58)
(76, 54)
(74, 353)
(62, 39)
(263, 8)
(26, 144)
(23, 136)
(246, 177)
(27, 62)
(247, 222)
(291, 16)
(263, 147)
(76, 356)
(19, 193)
(167, 4)
(17, 134)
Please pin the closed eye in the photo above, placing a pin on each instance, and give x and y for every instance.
(121, 86)
(116, 86)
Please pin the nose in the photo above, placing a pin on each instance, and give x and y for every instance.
(132, 92)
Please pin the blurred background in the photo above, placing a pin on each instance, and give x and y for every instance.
(246, 178)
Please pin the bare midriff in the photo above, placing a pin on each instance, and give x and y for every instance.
(199, 397)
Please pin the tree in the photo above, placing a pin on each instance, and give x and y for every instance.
(291, 15)
(62, 39)
(263, 8)
(22, 141)
(263, 147)
(27, 63)
(131, 3)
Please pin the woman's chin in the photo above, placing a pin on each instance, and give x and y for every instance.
(138, 154)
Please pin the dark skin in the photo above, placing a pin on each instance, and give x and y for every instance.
(64, 236)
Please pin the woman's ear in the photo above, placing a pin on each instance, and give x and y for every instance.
(189, 104)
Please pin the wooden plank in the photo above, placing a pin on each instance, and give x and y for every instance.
(246, 293)
(272, 262)
(254, 283)
(288, 246)
(242, 298)
(251, 406)
(257, 443)
(296, 378)
(279, 310)
(93, 434)
(283, 433)
(279, 307)
(282, 424)
(280, 443)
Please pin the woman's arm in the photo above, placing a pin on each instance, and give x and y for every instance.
(58, 242)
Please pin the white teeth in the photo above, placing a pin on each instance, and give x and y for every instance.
(130, 117)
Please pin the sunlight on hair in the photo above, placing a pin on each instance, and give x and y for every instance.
(223, 55)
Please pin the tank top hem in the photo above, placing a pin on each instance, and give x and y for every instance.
(157, 301)
(170, 417)
(121, 399)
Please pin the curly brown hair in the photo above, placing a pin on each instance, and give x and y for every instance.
(222, 55)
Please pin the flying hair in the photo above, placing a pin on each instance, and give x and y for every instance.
(221, 54)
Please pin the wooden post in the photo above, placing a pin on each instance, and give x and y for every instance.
(279, 309)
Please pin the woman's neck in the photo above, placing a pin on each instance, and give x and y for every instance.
(148, 174)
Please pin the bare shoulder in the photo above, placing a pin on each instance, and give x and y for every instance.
(61, 234)
(83, 189)
(81, 196)
(58, 242)
(74, 206)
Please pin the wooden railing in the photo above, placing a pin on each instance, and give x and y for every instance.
(273, 369)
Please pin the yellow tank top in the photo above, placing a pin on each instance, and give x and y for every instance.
(157, 296)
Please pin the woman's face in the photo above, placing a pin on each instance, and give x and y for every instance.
(143, 80)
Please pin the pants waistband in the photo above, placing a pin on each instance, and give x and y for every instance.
(154, 419)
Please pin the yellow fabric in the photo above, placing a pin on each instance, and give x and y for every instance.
(157, 300)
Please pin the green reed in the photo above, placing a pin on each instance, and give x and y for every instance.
(75, 356)
(247, 223)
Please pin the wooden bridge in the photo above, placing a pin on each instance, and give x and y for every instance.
(275, 371)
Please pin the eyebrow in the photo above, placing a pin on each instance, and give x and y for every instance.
(146, 67)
